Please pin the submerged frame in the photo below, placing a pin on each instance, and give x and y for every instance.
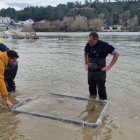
(66, 119)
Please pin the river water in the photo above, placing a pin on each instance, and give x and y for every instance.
(54, 64)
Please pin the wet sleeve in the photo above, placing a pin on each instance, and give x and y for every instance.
(3, 89)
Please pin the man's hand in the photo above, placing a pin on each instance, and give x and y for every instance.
(115, 58)
(86, 67)
(9, 104)
(106, 68)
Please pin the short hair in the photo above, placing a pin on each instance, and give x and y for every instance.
(94, 34)
(12, 54)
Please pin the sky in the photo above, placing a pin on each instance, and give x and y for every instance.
(20, 4)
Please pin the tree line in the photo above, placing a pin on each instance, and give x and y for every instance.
(81, 23)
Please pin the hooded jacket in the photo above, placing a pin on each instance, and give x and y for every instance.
(3, 64)
(3, 48)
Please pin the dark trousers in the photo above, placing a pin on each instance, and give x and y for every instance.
(97, 86)
(9, 76)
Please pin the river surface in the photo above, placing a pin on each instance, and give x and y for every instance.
(54, 64)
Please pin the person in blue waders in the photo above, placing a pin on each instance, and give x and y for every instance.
(10, 71)
(95, 55)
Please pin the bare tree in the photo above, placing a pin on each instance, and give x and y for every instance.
(28, 28)
(134, 22)
(80, 24)
(124, 19)
(96, 24)
(101, 16)
(67, 21)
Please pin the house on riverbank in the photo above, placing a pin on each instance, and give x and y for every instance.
(4, 22)
(26, 22)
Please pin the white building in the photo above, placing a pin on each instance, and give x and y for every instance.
(27, 22)
(5, 20)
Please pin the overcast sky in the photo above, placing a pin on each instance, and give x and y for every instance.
(20, 4)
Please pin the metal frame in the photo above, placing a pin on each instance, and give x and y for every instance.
(66, 119)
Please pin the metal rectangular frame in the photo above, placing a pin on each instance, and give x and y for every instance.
(66, 119)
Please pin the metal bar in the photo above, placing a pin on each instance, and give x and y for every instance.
(23, 102)
(75, 121)
(100, 119)
(78, 98)
(63, 119)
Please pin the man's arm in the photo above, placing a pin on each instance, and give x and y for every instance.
(114, 60)
(4, 93)
(86, 61)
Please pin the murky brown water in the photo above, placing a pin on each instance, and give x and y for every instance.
(54, 64)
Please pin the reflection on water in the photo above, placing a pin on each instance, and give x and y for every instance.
(54, 64)
(8, 123)
(95, 134)
(91, 112)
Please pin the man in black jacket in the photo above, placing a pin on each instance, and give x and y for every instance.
(95, 55)
(10, 71)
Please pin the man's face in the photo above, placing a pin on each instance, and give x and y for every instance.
(92, 40)
(12, 60)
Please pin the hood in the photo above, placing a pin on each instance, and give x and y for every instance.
(4, 57)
